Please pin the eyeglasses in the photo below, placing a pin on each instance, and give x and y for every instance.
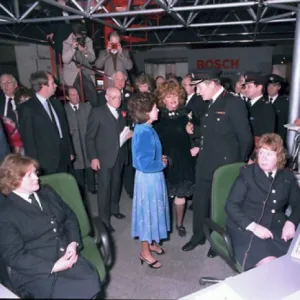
(115, 97)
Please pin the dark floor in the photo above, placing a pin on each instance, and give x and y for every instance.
(180, 272)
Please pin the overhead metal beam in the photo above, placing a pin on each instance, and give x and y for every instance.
(258, 17)
(7, 11)
(250, 11)
(223, 20)
(284, 6)
(173, 3)
(168, 35)
(128, 8)
(29, 10)
(96, 7)
(114, 19)
(77, 5)
(245, 28)
(288, 14)
(173, 14)
(16, 9)
(65, 7)
(133, 18)
(177, 9)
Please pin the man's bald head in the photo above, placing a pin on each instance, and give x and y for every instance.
(113, 97)
(8, 84)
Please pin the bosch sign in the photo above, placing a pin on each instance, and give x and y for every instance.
(218, 64)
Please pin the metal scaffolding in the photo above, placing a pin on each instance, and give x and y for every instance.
(176, 16)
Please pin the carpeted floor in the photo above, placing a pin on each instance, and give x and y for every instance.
(180, 272)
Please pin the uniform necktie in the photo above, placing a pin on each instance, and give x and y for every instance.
(270, 176)
(271, 100)
(52, 116)
(210, 102)
(34, 202)
(75, 108)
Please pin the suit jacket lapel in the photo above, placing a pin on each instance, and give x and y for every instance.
(38, 107)
(112, 119)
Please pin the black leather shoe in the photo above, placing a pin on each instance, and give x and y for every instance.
(110, 229)
(119, 216)
(211, 253)
(192, 245)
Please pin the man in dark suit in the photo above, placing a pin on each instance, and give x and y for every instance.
(225, 138)
(107, 154)
(40, 237)
(119, 80)
(261, 112)
(44, 128)
(280, 104)
(8, 105)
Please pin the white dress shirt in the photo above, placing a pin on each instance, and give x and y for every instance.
(113, 111)
(253, 101)
(45, 105)
(25, 196)
(189, 97)
(13, 104)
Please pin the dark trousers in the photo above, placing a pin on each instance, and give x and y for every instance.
(88, 88)
(201, 207)
(85, 176)
(109, 190)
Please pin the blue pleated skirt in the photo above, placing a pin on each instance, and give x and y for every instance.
(150, 211)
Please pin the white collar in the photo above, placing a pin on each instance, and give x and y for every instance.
(188, 98)
(273, 98)
(273, 173)
(74, 105)
(217, 94)
(7, 97)
(254, 100)
(25, 196)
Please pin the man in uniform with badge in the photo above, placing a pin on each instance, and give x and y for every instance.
(261, 111)
(225, 138)
(280, 104)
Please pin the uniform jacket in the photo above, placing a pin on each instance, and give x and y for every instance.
(77, 124)
(262, 117)
(225, 135)
(103, 136)
(39, 134)
(281, 107)
(197, 106)
(70, 69)
(146, 149)
(32, 240)
(245, 201)
(105, 61)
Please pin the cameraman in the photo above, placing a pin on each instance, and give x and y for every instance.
(78, 52)
(114, 58)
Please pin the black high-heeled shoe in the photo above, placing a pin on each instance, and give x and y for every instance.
(151, 265)
(162, 251)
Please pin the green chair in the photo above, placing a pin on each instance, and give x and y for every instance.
(215, 227)
(65, 185)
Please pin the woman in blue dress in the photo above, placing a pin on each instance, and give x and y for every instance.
(150, 212)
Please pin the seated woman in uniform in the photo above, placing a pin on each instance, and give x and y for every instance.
(256, 205)
(40, 237)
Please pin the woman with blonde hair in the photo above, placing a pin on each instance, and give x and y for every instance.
(257, 224)
(171, 128)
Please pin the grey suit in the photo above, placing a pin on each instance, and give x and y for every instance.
(103, 143)
(77, 121)
(105, 60)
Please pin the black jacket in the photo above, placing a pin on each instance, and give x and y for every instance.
(281, 107)
(245, 201)
(103, 136)
(262, 117)
(225, 135)
(39, 134)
